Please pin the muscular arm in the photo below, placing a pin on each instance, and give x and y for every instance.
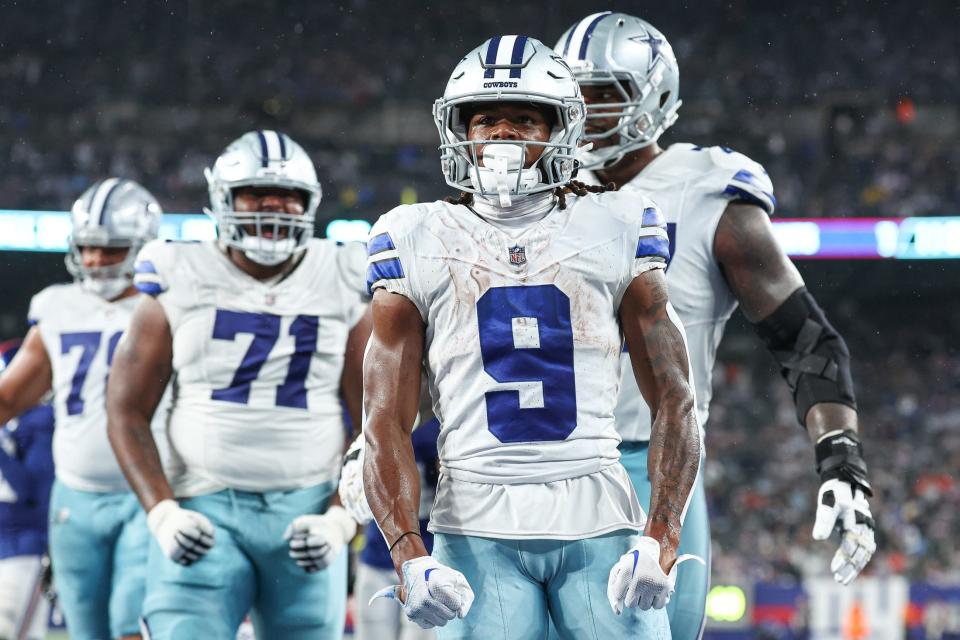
(391, 385)
(660, 364)
(762, 277)
(351, 380)
(27, 378)
(142, 366)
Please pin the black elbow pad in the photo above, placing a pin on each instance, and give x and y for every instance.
(813, 358)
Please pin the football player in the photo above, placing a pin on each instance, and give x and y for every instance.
(717, 204)
(261, 331)
(97, 535)
(26, 475)
(516, 300)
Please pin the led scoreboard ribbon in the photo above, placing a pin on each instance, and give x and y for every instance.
(801, 238)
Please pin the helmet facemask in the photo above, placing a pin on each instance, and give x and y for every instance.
(499, 172)
(633, 57)
(109, 281)
(271, 160)
(111, 214)
(638, 123)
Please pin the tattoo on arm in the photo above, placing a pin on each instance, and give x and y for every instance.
(674, 454)
(758, 272)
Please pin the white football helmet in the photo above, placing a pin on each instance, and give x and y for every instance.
(509, 69)
(263, 159)
(112, 213)
(630, 54)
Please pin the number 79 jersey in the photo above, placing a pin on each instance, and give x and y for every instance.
(80, 332)
(522, 333)
(257, 364)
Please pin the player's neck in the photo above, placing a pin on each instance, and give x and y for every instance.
(257, 270)
(629, 166)
(524, 210)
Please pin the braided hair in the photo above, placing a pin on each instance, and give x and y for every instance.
(581, 189)
(574, 186)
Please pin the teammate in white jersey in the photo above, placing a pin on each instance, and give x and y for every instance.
(260, 332)
(516, 301)
(716, 203)
(97, 533)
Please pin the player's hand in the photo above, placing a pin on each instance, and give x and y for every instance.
(316, 541)
(351, 483)
(637, 580)
(841, 506)
(184, 536)
(435, 594)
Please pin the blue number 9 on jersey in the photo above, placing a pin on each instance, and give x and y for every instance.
(526, 341)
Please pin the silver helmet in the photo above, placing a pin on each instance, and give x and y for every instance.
(630, 54)
(113, 213)
(263, 159)
(509, 69)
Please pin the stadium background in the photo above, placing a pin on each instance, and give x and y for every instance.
(852, 108)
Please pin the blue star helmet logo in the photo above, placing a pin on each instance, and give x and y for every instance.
(656, 45)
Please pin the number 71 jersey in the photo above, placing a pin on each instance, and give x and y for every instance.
(256, 404)
(522, 333)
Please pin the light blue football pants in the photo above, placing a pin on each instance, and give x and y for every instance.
(98, 548)
(248, 569)
(522, 585)
(686, 608)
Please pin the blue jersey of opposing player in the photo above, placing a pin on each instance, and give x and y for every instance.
(26, 475)
(375, 552)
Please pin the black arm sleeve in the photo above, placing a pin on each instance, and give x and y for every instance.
(813, 358)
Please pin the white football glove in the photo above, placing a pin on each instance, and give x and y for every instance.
(637, 580)
(436, 594)
(351, 483)
(840, 505)
(316, 541)
(184, 536)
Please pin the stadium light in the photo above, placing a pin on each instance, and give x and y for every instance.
(801, 238)
(726, 603)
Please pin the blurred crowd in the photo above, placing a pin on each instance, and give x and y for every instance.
(761, 479)
(852, 110)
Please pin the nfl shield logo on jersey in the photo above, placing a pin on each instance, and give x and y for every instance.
(518, 255)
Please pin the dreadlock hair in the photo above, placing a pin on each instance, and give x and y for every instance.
(466, 199)
(581, 189)
(574, 186)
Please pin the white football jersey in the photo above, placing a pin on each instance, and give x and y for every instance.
(257, 365)
(80, 331)
(522, 356)
(692, 186)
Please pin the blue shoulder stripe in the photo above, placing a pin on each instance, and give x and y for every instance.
(653, 247)
(144, 266)
(380, 243)
(652, 217)
(389, 269)
(747, 177)
(752, 198)
(149, 288)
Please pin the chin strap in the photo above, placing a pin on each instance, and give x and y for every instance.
(499, 163)
(502, 172)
